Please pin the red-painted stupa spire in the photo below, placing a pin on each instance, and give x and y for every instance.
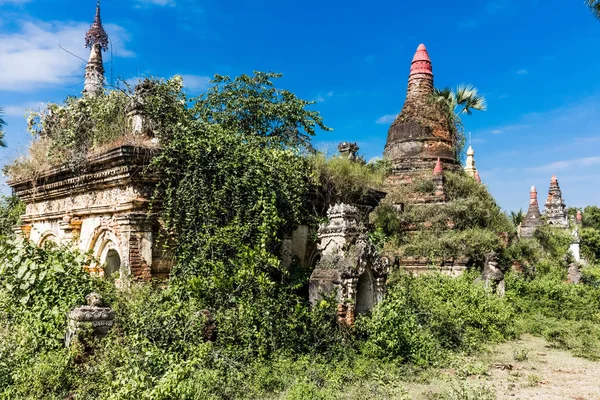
(477, 177)
(438, 170)
(421, 63)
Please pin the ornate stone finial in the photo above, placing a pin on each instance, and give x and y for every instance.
(348, 150)
(470, 164)
(421, 63)
(96, 34)
(94, 300)
(438, 170)
(96, 40)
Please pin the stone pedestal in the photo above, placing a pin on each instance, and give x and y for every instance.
(93, 320)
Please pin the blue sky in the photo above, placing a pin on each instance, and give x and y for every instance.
(535, 61)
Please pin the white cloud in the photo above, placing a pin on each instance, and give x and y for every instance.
(19, 110)
(522, 71)
(321, 98)
(168, 3)
(567, 164)
(31, 58)
(386, 119)
(14, 2)
(196, 82)
(508, 128)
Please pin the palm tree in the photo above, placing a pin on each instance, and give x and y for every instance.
(2, 125)
(463, 100)
(594, 5)
(517, 217)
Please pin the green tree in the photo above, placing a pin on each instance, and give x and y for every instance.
(252, 105)
(462, 100)
(591, 217)
(517, 217)
(234, 180)
(594, 6)
(456, 102)
(2, 125)
(590, 244)
(11, 209)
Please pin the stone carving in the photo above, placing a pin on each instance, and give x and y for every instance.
(574, 274)
(92, 319)
(350, 267)
(493, 275)
(348, 150)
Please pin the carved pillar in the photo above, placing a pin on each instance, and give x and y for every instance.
(71, 227)
(23, 231)
(351, 284)
(380, 287)
(136, 239)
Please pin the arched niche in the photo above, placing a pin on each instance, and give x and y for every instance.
(365, 293)
(112, 264)
(105, 249)
(48, 237)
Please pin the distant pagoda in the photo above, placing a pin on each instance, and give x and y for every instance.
(555, 209)
(533, 219)
(422, 132)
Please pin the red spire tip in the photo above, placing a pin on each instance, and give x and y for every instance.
(438, 170)
(477, 177)
(421, 63)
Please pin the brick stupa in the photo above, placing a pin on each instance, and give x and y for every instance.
(422, 132)
(555, 209)
(533, 219)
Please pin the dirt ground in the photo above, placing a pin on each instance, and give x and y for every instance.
(524, 369)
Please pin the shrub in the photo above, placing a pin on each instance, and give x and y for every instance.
(423, 318)
(341, 180)
(11, 209)
(549, 295)
(40, 286)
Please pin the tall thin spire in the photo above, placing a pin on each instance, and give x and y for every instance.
(470, 163)
(96, 40)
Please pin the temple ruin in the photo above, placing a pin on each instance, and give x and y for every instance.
(103, 207)
(555, 211)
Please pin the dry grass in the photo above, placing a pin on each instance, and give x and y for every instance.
(546, 373)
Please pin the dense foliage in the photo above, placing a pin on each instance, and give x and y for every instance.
(11, 209)
(237, 176)
(477, 223)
